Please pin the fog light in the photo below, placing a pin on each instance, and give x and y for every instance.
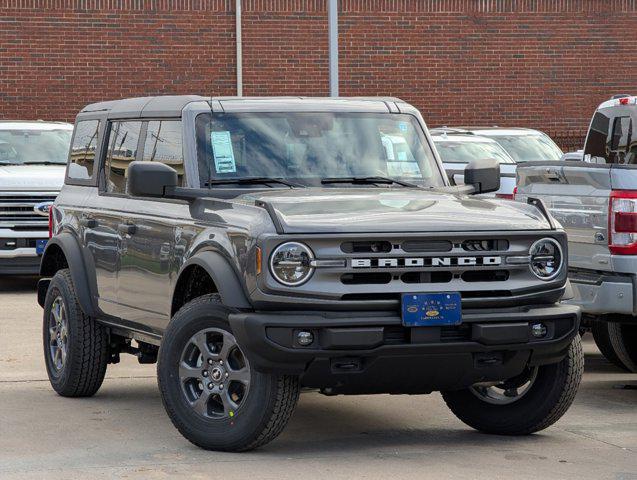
(538, 330)
(304, 338)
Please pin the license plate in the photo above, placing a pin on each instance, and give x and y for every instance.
(39, 246)
(431, 309)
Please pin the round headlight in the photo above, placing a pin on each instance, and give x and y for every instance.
(546, 258)
(290, 263)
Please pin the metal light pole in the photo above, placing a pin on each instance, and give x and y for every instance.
(332, 19)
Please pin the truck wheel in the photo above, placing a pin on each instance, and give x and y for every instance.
(528, 403)
(601, 335)
(623, 338)
(210, 392)
(75, 345)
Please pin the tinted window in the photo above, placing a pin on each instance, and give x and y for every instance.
(536, 147)
(595, 147)
(122, 149)
(163, 144)
(82, 157)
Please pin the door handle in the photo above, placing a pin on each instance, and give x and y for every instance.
(127, 228)
(88, 222)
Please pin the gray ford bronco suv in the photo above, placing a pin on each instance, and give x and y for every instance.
(255, 247)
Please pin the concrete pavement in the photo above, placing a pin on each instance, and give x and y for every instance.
(123, 431)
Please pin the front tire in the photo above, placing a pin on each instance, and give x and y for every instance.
(209, 390)
(548, 392)
(75, 345)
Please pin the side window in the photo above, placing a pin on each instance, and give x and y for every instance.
(82, 157)
(164, 144)
(122, 150)
(619, 140)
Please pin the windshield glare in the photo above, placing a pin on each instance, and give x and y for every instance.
(464, 152)
(34, 146)
(529, 148)
(307, 147)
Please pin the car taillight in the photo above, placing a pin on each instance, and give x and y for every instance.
(622, 222)
(51, 208)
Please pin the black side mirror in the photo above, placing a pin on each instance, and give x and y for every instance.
(150, 179)
(483, 175)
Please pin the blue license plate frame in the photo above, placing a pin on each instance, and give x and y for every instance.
(431, 309)
(40, 245)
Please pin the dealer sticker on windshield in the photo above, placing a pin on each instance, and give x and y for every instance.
(431, 309)
(222, 152)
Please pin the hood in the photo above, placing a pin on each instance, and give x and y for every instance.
(359, 210)
(32, 177)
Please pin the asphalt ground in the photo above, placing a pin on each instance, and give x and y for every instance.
(123, 431)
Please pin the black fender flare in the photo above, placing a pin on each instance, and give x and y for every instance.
(226, 279)
(72, 251)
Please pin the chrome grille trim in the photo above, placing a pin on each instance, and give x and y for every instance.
(17, 209)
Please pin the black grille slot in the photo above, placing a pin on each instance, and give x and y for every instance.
(371, 296)
(459, 333)
(427, 246)
(395, 335)
(426, 277)
(486, 294)
(485, 245)
(375, 246)
(485, 276)
(365, 278)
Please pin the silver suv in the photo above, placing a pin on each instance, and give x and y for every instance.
(32, 163)
(254, 247)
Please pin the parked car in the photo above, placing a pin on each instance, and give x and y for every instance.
(522, 144)
(33, 159)
(311, 243)
(596, 202)
(457, 151)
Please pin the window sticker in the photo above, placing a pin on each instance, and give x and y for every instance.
(222, 152)
(403, 169)
(402, 126)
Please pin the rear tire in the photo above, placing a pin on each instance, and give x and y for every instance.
(210, 392)
(623, 338)
(550, 393)
(75, 345)
(601, 335)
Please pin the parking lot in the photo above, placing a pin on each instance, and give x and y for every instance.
(123, 431)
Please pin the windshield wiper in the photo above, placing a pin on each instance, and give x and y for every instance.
(369, 180)
(250, 181)
(43, 162)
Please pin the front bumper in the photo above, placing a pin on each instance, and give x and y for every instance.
(600, 293)
(19, 261)
(371, 352)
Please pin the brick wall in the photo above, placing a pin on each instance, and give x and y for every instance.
(537, 63)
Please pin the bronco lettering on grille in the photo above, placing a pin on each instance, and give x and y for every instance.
(424, 262)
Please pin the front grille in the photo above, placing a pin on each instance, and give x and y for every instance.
(16, 211)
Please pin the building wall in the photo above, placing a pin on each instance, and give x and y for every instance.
(536, 63)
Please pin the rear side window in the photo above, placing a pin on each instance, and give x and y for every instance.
(122, 150)
(620, 139)
(83, 149)
(164, 144)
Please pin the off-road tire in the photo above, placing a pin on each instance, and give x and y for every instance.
(601, 335)
(548, 399)
(623, 338)
(268, 406)
(87, 347)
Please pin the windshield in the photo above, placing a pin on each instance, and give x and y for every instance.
(529, 148)
(464, 152)
(34, 146)
(308, 147)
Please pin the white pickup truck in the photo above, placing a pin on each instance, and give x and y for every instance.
(32, 164)
(596, 202)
